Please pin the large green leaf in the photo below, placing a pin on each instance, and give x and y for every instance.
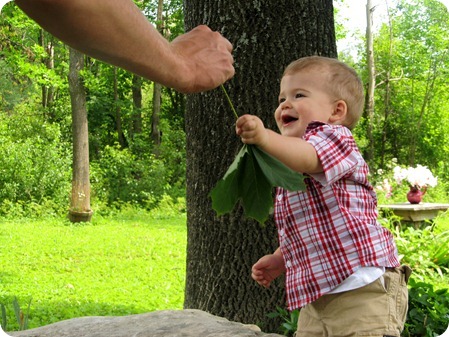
(254, 189)
(250, 180)
(277, 173)
(226, 193)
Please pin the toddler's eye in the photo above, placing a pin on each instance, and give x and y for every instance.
(281, 100)
(298, 95)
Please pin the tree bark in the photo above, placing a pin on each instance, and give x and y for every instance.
(118, 113)
(80, 210)
(137, 104)
(267, 36)
(387, 95)
(49, 61)
(369, 108)
(157, 92)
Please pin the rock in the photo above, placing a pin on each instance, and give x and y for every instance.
(175, 323)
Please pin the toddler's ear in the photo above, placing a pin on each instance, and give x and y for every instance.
(339, 114)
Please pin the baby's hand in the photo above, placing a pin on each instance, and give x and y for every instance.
(251, 130)
(268, 268)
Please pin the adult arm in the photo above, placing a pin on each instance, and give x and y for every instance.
(115, 31)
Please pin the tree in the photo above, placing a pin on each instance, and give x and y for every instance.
(80, 199)
(118, 112)
(369, 100)
(157, 90)
(137, 104)
(266, 36)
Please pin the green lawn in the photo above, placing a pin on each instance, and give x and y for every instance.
(113, 266)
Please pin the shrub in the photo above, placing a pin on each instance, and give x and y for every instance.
(424, 250)
(428, 313)
(122, 177)
(34, 162)
(289, 320)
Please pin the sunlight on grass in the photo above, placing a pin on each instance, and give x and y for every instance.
(113, 266)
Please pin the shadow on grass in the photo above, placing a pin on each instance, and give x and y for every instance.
(42, 314)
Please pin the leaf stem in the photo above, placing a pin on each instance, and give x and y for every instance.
(229, 101)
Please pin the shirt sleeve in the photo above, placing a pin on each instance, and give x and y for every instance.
(336, 150)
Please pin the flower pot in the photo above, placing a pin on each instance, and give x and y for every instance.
(414, 196)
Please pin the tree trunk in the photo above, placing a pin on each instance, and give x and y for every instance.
(157, 89)
(137, 104)
(118, 113)
(49, 61)
(155, 117)
(369, 108)
(80, 199)
(267, 36)
(387, 95)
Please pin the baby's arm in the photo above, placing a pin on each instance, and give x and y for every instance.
(268, 268)
(294, 152)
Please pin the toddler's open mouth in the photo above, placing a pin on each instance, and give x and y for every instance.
(286, 119)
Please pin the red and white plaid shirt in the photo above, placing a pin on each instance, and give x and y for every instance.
(331, 229)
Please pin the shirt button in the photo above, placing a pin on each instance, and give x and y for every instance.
(279, 197)
(288, 264)
(281, 232)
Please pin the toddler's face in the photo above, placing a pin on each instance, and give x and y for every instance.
(302, 99)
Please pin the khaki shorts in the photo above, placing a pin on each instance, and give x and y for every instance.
(378, 309)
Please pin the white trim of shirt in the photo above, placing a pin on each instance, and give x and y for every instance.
(360, 278)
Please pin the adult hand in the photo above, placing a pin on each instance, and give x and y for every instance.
(207, 58)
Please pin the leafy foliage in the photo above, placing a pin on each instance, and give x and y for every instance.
(289, 320)
(428, 252)
(120, 176)
(428, 313)
(425, 251)
(31, 157)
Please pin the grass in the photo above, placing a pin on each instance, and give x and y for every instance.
(113, 266)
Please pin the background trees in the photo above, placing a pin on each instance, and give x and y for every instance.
(409, 122)
(34, 91)
(410, 119)
(414, 101)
